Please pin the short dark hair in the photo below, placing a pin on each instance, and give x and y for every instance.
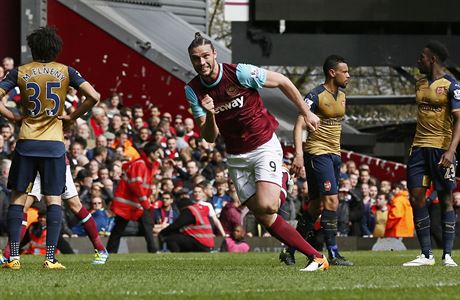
(199, 41)
(45, 44)
(331, 62)
(438, 49)
(151, 147)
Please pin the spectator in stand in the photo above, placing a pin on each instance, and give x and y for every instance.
(100, 215)
(343, 171)
(192, 169)
(216, 161)
(400, 221)
(351, 167)
(76, 150)
(8, 137)
(5, 193)
(160, 138)
(385, 186)
(153, 123)
(126, 126)
(122, 139)
(93, 169)
(154, 110)
(164, 214)
(2, 73)
(8, 64)
(142, 138)
(368, 217)
(138, 112)
(290, 208)
(381, 215)
(138, 123)
(96, 120)
(165, 126)
(114, 104)
(171, 150)
(220, 199)
(100, 155)
(456, 200)
(235, 242)
(231, 215)
(189, 129)
(71, 100)
(102, 141)
(343, 211)
(116, 124)
(373, 191)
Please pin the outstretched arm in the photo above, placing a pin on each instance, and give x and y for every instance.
(278, 80)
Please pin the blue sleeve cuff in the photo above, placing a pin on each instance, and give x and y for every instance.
(251, 76)
(197, 109)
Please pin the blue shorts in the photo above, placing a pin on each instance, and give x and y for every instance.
(323, 174)
(423, 169)
(24, 170)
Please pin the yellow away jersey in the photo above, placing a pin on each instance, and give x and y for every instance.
(435, 103)
(43, 89)
(331, 111)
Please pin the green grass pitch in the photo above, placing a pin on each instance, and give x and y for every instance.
(376, 275)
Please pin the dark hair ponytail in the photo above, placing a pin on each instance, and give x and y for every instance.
(198, 41)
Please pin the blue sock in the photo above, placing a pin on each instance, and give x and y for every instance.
(53, 229)
(14, 217)
(448, 231)
(329, 227)
(422, 226)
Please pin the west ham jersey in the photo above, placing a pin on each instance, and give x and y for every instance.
(435, 102)
(243, 120)
(43, 89)
(331, 110)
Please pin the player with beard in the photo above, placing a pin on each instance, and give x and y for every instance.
(224, 100)
(320, 158)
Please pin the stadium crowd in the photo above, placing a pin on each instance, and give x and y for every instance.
(192, 169)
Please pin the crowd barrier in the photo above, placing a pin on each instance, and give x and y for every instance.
(136, 244)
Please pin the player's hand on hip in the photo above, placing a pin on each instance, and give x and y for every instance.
(67, 122)
(208, 103)
(447, 159)
(311, 121)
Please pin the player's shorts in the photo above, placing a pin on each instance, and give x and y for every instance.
(69, 191)
(323, 174)
(423, 169)
(261, 164)
(24, 169)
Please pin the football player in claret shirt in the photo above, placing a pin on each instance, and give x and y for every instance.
(40, 148)
(224, 100)
(432, 157)
(321, 156)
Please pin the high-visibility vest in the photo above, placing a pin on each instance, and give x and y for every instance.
(201, 230)
(133, 191)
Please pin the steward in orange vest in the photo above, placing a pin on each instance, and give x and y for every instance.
(400, 222)
(192, 231)
(131, 199)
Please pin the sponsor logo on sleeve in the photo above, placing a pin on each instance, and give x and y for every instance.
(255, 72)
(308, 102)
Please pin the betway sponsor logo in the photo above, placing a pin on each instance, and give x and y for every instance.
(235, 103)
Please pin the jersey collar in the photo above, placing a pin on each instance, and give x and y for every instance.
(219, 78)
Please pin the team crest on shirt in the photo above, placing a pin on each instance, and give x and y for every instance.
(441, 91)
(327, 186)
(231, 90)
(457, 94)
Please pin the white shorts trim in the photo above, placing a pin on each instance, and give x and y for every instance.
(261, 164)
(69, 191)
